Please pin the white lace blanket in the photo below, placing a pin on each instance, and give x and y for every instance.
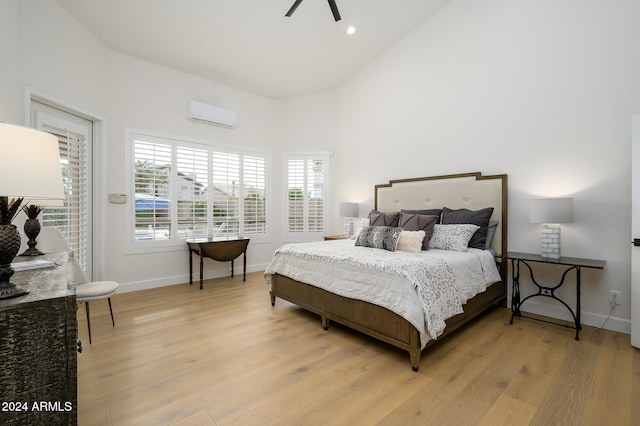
(434, 291)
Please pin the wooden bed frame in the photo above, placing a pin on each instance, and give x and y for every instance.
(470, 190)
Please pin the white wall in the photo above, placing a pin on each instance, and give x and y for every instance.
(60, 57)
(9, 36)
(541, 90)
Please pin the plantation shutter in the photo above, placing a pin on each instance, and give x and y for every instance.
(316, 195)
(255, 192)
(191, 185)
(187, 189)
(152, 183)
(225, 189)
(306, 195)
(73, 218)
(296, 179)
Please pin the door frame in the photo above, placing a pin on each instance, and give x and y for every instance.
(635, 230)
(99, 170)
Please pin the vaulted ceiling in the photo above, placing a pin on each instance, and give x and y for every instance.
(250, 44)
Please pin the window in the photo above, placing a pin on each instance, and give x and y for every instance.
(184, 189)
(306, 202)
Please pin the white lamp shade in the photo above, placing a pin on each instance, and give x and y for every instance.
(29, 165)
(551, 210)
(348, 209)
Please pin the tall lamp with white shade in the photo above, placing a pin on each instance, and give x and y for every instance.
(29, 170)
(550, 213)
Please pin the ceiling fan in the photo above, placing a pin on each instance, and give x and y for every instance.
(332, 5)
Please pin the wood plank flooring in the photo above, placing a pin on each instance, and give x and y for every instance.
(224, 356)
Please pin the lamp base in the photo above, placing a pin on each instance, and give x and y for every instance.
(9, 290)
(348, 227)
(31, 251)
(550, 233)
(9, 247)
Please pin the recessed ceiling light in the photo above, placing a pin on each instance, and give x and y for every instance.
(351, 30)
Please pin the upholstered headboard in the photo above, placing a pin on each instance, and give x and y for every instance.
(469, 190)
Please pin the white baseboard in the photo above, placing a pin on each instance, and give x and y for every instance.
(587, 318)
(182, 279)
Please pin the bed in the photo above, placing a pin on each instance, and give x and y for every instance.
(390, 322)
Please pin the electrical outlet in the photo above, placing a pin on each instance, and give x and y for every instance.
(614, 297)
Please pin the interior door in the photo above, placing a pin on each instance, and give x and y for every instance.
(635, 229)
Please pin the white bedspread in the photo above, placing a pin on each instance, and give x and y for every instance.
(425, 288)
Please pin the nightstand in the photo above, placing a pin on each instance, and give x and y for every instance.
(572, 263)
(335, 237)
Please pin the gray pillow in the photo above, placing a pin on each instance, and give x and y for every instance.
(381, 237)
(377, 218)
(419, 222)
(477, 217)
(427, 212)
(491, 231)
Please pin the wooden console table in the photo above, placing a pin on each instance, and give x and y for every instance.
(222, 250)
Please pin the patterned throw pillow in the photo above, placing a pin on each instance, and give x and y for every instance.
(381, 237)
(452, 237)
(364, 222)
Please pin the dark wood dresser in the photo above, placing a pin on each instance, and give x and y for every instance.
(38, 347)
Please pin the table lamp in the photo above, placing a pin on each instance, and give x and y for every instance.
(348, 211)
(29, 170)
(550, 213)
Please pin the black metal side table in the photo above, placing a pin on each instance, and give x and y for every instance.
(572, 263)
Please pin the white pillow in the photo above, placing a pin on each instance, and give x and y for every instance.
(452, 237)
(411, 241)
(363, 223)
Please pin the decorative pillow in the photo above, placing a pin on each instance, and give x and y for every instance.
(382, 237)
(478, 217)
(377, 218)
(427, 212)
(364, 222)
(417, 222)
(411, 241)
(452, 237)
(491, 231)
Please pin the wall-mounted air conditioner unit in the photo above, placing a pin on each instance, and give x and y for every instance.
(212, 114)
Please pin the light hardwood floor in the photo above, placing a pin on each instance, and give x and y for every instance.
(223, 355)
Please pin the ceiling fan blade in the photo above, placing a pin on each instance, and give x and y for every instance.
(293, 8)
(334, 10)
